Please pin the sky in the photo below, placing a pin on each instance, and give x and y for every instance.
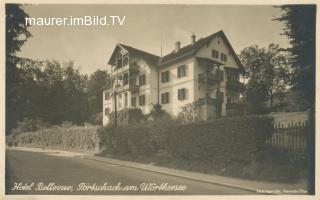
(146, 27)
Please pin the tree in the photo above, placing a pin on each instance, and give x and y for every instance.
(75, 99)
(51, 91)
(256, 96)
(96, 82)
(268, 67)
(16, 35)
(300, 27)
(157, 112)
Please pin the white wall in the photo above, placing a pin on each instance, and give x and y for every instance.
(106, 104)
(175, 83)
(149, 89)
(218, 44)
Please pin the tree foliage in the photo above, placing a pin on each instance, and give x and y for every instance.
(51, 91)
(269, 72)
(97, 81)
(300, 27)
(16, 35)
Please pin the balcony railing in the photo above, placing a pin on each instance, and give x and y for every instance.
(122, 88)
(132, 68)
(209, 77)
(235, 86)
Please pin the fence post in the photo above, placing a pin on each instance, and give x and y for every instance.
(311, 151)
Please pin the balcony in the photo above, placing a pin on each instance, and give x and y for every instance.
(130, 87)
(209, 78)
(235, 87)
(132, 68)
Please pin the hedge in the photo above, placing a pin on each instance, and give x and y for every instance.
(78, 138)
(219, 141)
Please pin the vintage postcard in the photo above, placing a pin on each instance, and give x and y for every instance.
(159, 100)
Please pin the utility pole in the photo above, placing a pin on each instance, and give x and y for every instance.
(219, 102)
(115, 93)
(115, 108)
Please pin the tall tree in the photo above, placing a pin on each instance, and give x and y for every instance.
(300, 27)
(256, 96)
(75, 100)
(16, 35)
(269, 70)
(97, 81)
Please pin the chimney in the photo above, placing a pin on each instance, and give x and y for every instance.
(177, 46)
(193, 39)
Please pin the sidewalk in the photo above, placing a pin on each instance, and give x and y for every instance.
(250, 185)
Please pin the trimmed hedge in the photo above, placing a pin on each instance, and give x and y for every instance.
(76, 138)
(136, 139)
(218, 142)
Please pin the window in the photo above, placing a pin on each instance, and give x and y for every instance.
(106, 111)
(223, 57)
(221, 75)
(215, 54)
(165, 98)
(165, 77)
(119, 101)
(106, 96)
(134, 102)
(125, 61)
(126, 100)
(125, 79)
(182, 94)
(232, 76)
(228, 100)
(142, 79)
(231, 99)
(220, 96)
(181, 71)
(142, 100)
(119, 61)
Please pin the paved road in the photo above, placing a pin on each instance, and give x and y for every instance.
(36, 167)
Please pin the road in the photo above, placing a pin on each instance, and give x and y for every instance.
(67, 173)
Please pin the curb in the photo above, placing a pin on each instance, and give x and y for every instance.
(176, 175)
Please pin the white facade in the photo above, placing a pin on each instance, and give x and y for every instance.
(155, 90)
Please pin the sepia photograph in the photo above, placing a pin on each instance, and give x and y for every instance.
(159, 99)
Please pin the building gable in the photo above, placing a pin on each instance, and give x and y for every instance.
(218, 50)
(192, 50)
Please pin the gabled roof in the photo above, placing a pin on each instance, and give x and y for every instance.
(187, 50)
(182, 53)
(192, 49)
(151, 58)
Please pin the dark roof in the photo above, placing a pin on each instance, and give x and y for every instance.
(182, 53)
(187, 50)
(192, 49)
(151, 58)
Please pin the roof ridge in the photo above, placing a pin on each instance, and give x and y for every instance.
(201, 39)
(138, 49)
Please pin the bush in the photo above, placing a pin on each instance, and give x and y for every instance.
(28, 125)
(137, 139)
(67, 137)
(224, 140)
(220, 141)
(128, 116)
